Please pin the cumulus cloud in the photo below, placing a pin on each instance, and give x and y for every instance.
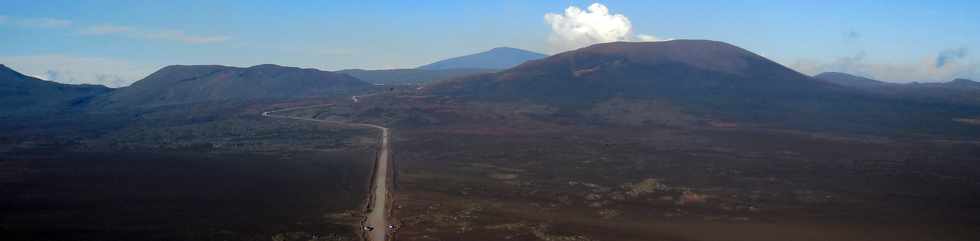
(577, 28)
(168, 35)
(927, 69)
(78, 70)
(949, 55)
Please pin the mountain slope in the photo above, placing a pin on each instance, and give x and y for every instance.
(200, 83)
(410, 76)
(956, 84)
(960, 91)
(708, 79)
(679, 68)
(20, 93)
(844, 79)
(497, 58)
(849, 80)
(964, 83)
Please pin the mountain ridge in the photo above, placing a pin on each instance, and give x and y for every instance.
(636, 69)
(496, 58)
(183, 84)
(20, 93)
(711, 80)
(846, 79)
(410, 76)
(959, 91)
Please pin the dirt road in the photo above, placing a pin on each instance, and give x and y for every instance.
(375, 226)
(378, 217)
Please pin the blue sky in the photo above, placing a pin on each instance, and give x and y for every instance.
(117, 42)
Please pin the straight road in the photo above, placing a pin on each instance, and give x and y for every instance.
(378, 217)
(376, 223)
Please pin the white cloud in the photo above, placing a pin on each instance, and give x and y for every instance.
(644, 37)
(180, 36)
(927, 69)
(78, 70)
(103, 30)
(944, 65)
(168, 35)
(577, 28)
(125, 31)
(44, 23)
(35, 22)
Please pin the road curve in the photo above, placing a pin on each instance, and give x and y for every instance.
(377, 218)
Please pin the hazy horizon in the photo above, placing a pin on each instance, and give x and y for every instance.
(117, 43)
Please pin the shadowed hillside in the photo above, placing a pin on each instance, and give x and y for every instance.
(653, 69)
(849, 80)
(200, 83)
(24, 94)
(714, 80)
(957, 91)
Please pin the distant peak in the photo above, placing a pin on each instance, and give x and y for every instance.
(838, 74)
(511, 50)
(495, 58)
(179, 66)
(963, 81)
(695, 44)
(506, 49)
(704, 54)
(670, 42)
(266, 66)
